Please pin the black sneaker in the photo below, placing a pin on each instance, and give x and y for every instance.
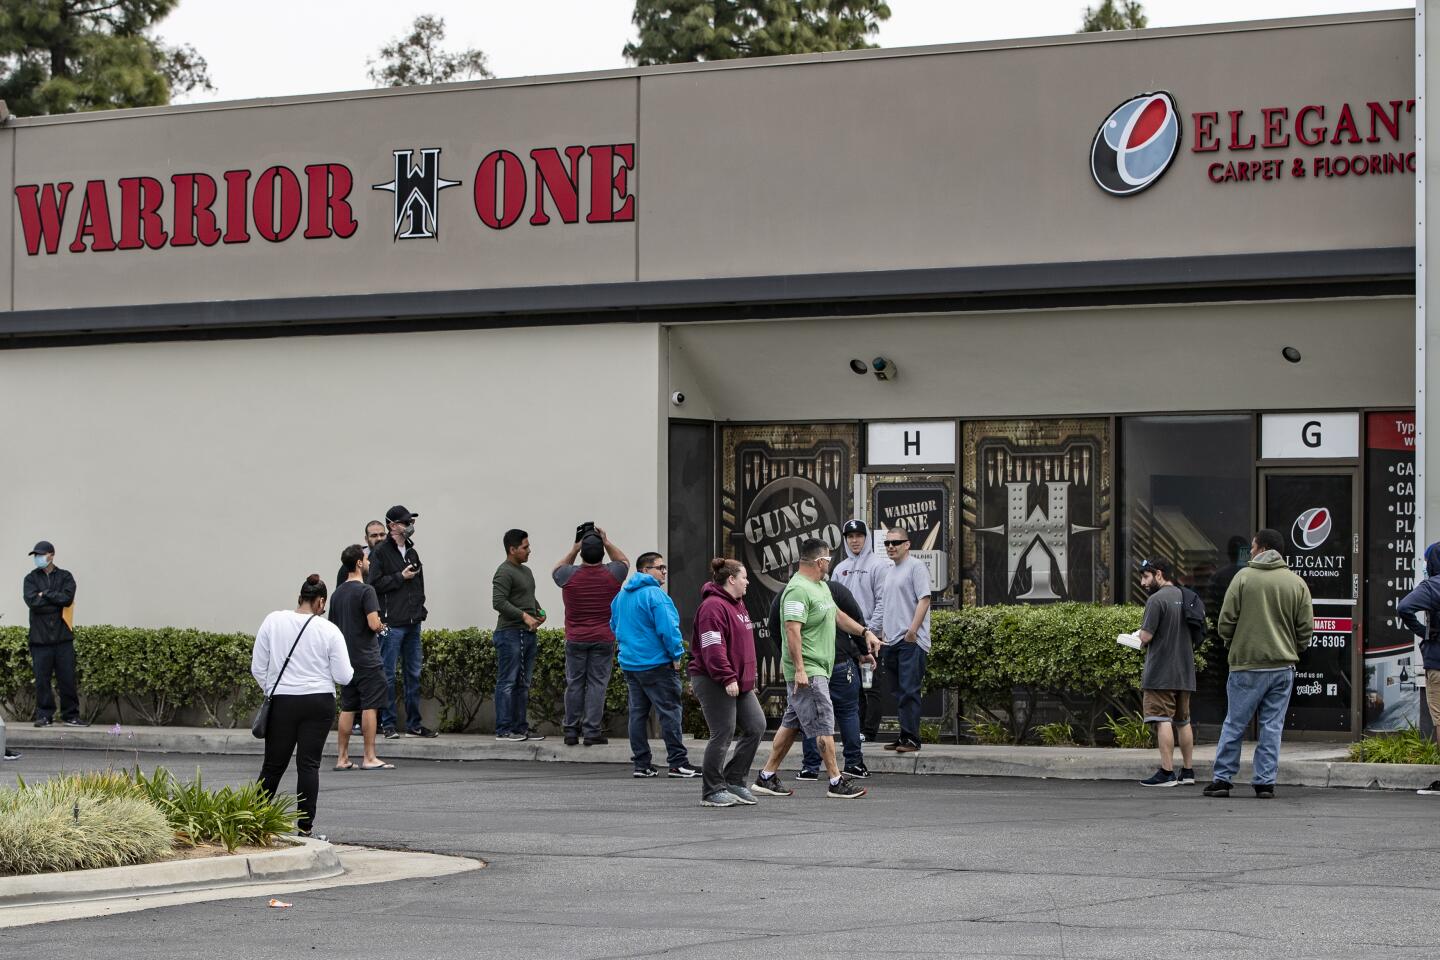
(77, 722)
(857, 771)
(810, 776)
(534, 736)
(1160, 778)
(845, 789)
(771, 786)
(1220, 788)
(1264, 791)
(424, 732)
(390, 733)
(684, 772)
(1431, 791)
(1186, 778)
(43, 722)
(571, 740)
(11, 754)
(596, 741)
(642, 772)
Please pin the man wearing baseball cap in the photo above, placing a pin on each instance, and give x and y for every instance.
(399, 581)
(48, 591)
(862, 571)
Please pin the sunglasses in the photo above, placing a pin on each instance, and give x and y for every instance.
(657, 566)
(896, 543)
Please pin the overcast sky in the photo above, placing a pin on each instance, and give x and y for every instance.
(269, 48)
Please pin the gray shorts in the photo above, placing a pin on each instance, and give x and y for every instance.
(808, 709)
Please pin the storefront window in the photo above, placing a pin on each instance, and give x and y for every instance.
(1187, 499)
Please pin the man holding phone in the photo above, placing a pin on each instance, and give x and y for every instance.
(399, 580)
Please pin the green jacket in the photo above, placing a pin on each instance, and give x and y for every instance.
(1266, 619)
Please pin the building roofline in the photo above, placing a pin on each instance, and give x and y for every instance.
(752, 63)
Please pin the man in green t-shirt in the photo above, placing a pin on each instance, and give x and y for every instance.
(807, 657)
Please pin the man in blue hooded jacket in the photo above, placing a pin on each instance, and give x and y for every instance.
(647, 631)
(1426, 598)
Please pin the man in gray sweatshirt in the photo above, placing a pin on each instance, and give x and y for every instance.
(863, 573)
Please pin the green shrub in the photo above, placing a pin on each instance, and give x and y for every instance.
(988, 731)
(1407, 746)
(79, 823)
(1056, 734)
(232, 816)
(1130, 730)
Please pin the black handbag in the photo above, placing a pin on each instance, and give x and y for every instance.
(262, 716)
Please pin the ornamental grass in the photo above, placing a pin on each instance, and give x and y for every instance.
(79, 823)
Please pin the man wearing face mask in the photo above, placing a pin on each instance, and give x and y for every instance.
(48, 591)
(399, 581)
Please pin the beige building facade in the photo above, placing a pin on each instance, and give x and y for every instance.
(1144, 292)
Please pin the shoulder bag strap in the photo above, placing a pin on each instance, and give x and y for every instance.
(276, 684)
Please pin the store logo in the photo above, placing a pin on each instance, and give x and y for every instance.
(416, 189)
(1135, 144)
(1036, 538)
(1311, 528)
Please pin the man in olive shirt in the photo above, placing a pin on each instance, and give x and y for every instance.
(513, 591)
(807, 659)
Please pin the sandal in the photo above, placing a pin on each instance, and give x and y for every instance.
(347, 765)
(379, 766)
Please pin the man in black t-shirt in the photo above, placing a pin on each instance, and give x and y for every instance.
(355, 609)
(1169, 676)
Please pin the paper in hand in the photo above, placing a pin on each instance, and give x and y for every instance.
(1131, 640)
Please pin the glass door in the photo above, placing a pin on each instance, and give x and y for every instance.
(1315, 512)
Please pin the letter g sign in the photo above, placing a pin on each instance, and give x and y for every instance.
(1310, 434)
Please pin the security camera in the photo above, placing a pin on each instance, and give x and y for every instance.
(677, 398)
(884, 368)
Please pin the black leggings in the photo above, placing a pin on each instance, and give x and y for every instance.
(303, 721)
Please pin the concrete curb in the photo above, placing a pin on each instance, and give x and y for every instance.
(1302, 763)
(308, 859)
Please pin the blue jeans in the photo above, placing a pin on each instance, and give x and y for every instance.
(514, 663)
(904, 667)
(845, 696)
(395, 643)
(1247, 691)
(657, 687)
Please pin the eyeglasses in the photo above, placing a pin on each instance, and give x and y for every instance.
(896, 543)
(658, 566)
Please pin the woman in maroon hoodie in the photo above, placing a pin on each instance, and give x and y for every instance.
(722, 673)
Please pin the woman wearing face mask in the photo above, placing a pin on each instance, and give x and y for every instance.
(302, 707)
(722, 673)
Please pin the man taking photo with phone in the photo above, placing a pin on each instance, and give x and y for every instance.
(399, 581)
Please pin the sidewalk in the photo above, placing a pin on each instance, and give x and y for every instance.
(1301, 764)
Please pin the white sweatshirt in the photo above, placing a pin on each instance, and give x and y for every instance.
(320, 660)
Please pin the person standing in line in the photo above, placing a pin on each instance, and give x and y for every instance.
(588, 590)
(399, 581)
(1168, 679)
(513, 597)
(1425, 598)
(48, 590)
(647, 631)
(907, 636)
(301, 657)
(355, 609)
(374, 533)
(851, 653)
(807, 659)
(722, 673)
(1267, 619)
(863, 573)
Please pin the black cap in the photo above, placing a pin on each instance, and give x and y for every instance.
(398, 514)
(1157, 564)
(853, 526)
(42, 548)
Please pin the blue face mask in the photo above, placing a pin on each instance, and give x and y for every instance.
(42, 562)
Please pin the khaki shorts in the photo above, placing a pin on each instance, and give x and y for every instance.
(1432, 695)
(1166, 706)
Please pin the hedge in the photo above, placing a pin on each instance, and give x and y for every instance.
(989, 656)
